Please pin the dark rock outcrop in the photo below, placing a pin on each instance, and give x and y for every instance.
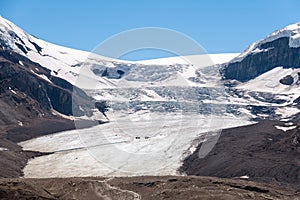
(25, 93)
(116, 72)
(272, 54)
(26, 102)
(287, 80)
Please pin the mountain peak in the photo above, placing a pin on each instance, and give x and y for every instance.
(279, 49)
(291, 31)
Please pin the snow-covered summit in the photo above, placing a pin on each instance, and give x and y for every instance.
(67, 63)
(291, 31)
(16, 39)
(60, 60)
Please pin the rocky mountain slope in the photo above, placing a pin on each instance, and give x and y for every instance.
(32, 102)
(168, 187)
(20, 77)
(279, 49)
(258, 152)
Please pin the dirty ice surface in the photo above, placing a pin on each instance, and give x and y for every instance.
(137, 144)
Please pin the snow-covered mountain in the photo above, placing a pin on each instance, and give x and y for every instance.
(270, 66)
(160, 107)
(142, 83)
(66, 63)
(279, 49)
(292, 32)
(63, 62)
(265, 68)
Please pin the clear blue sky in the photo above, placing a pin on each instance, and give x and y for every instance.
(218, 25)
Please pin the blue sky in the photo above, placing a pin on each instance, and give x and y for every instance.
(219, 26)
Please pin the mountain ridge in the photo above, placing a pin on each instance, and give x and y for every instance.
(41, 77)
(280, 48)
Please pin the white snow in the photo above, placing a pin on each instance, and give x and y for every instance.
(192, 149)
(20, 123)
(151, 96)
(21, 63)
(295, 40)
(43, 77)
(286, 112)
(289, 124)
(61, 60)
(246, 112)
(269, 82)
(3, 149)
(75, 65)
(244, 177)
(13, 91)
(284, 128)
(205, 59)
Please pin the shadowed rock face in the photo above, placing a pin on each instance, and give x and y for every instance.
(278, 53)
(21, 86)
(287, 80)
(26, 100)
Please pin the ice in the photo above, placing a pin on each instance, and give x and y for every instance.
(140, 145)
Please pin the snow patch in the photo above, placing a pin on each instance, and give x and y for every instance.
(13, 91)
(284, 128)
(244, 177)
(286, 112)
(20, 123)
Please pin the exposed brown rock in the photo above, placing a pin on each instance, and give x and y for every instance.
(259, 151)
(141, 188)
